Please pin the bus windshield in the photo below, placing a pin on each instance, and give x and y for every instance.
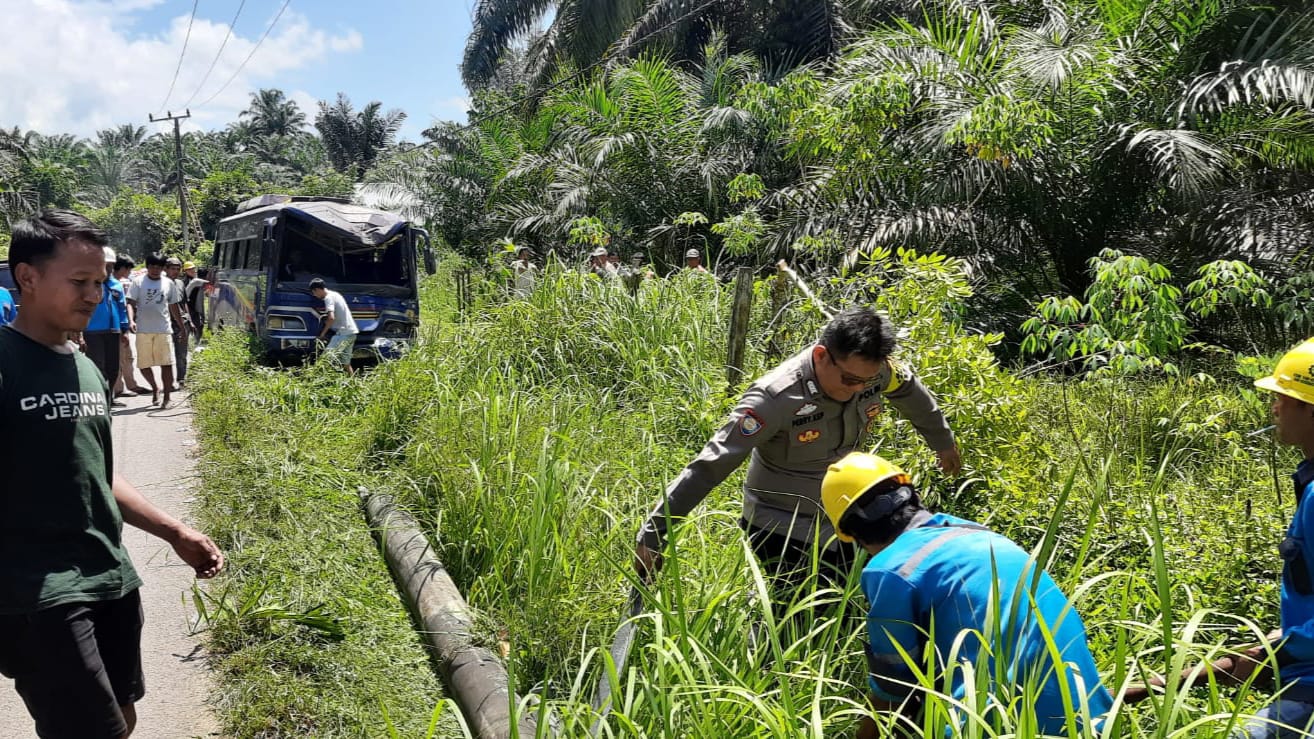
(382, 269)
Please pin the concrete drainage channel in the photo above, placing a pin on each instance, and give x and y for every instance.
(474, 675)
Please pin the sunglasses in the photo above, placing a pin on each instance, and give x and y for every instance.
(851, 380)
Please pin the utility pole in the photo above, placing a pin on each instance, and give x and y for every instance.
(178, 162)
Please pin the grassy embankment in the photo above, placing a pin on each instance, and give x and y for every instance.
(531, 438)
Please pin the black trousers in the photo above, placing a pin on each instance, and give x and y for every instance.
(787, 564)
(103, 350)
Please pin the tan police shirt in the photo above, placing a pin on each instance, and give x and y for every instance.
(794, 432)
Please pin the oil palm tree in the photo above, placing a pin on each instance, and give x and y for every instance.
(354, 139)
(271, 113)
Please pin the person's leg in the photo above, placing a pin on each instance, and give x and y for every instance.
(59, 670)
(118, 636)
(167, 384)
(1281, 719)
(146, 363)
(112, 347)
(180, 356)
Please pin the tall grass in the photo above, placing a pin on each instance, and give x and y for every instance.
(532, 436)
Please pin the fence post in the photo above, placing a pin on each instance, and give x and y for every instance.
(740, 312)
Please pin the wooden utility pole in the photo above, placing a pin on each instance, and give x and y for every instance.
(740, 312)
(180, 183)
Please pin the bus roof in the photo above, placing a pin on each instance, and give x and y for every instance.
(369, 225)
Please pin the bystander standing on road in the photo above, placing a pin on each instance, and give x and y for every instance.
(108, 330)
(194, 298)
(181, 329)
(70, 610)
(127, 386)
(156, 300)
(338, 319)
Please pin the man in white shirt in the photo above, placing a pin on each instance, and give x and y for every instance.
(154, 299)
(338, 319)
(526, 272)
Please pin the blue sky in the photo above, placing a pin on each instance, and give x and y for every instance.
(105, 62)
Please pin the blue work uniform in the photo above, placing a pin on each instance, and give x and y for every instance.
(8, 309)
(1296, 655)
(934, 587)
(111, 314)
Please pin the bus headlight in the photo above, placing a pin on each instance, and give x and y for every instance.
(286, 323)
(396, 329)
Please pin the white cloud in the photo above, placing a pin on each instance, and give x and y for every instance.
(82, 65)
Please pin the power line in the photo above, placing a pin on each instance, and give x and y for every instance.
(220, 53)
(605, 58)
(248, 56)
(181, 54)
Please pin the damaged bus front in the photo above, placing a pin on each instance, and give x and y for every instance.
(268, 252)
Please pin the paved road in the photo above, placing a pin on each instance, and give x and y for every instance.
(154, 450)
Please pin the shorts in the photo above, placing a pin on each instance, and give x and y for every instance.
(154, 350)
(340, 348)
(75, 665)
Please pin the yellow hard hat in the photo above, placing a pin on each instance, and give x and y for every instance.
(1294, 374)
(848, 479)
(189, 265)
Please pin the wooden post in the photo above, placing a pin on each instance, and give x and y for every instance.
(740, 312)
(463, 291)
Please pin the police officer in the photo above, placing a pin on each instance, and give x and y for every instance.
(806, 414)
(930, 584)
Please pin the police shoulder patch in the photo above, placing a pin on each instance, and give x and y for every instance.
(751, 423)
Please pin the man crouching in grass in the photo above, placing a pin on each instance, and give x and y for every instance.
(950, 593)
(70, 613)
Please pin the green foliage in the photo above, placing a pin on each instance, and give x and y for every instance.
(217, 196)
(140, 224)
(330, 184)
(588, 231)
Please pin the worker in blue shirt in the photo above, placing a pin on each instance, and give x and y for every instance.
(107, 332)
(8, 309)
(949, 592)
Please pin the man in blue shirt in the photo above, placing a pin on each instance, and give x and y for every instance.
(107, 332)
(8, 310)
(952, 594)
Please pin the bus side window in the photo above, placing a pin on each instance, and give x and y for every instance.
(221, 256)
(253, 254)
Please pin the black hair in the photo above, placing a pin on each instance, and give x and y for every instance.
(860, 331)
(882, 530)
(318, 284)
(34, 239)
(155, 259)
(124, 263)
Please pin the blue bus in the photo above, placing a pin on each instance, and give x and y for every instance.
(267, 252)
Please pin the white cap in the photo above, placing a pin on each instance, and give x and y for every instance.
(692, 254)
(110, 256)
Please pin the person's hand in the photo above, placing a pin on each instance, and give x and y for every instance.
(950, 460)
(647, 562)
(132, 327)
(1140, 691)
(197, 550)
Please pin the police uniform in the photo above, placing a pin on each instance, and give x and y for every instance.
(794, 432)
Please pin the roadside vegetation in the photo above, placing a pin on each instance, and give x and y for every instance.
(530, 436)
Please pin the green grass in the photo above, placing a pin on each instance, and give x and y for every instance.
(531, 437)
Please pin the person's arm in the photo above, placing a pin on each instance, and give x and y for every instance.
(907, 393)
(327, 323)
(121, 305)
(751, 423)
(180, 319)
(892, 629)
(192, 546)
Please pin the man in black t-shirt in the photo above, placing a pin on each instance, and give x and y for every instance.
(70, 616)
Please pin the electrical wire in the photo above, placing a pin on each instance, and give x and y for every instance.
(206, 78)
(181, 54)
(248, 56)
(605, 59)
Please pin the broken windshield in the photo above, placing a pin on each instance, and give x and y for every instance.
(302, 258)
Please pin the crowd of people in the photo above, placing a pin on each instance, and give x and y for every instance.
(941, 591)
(602, 263)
